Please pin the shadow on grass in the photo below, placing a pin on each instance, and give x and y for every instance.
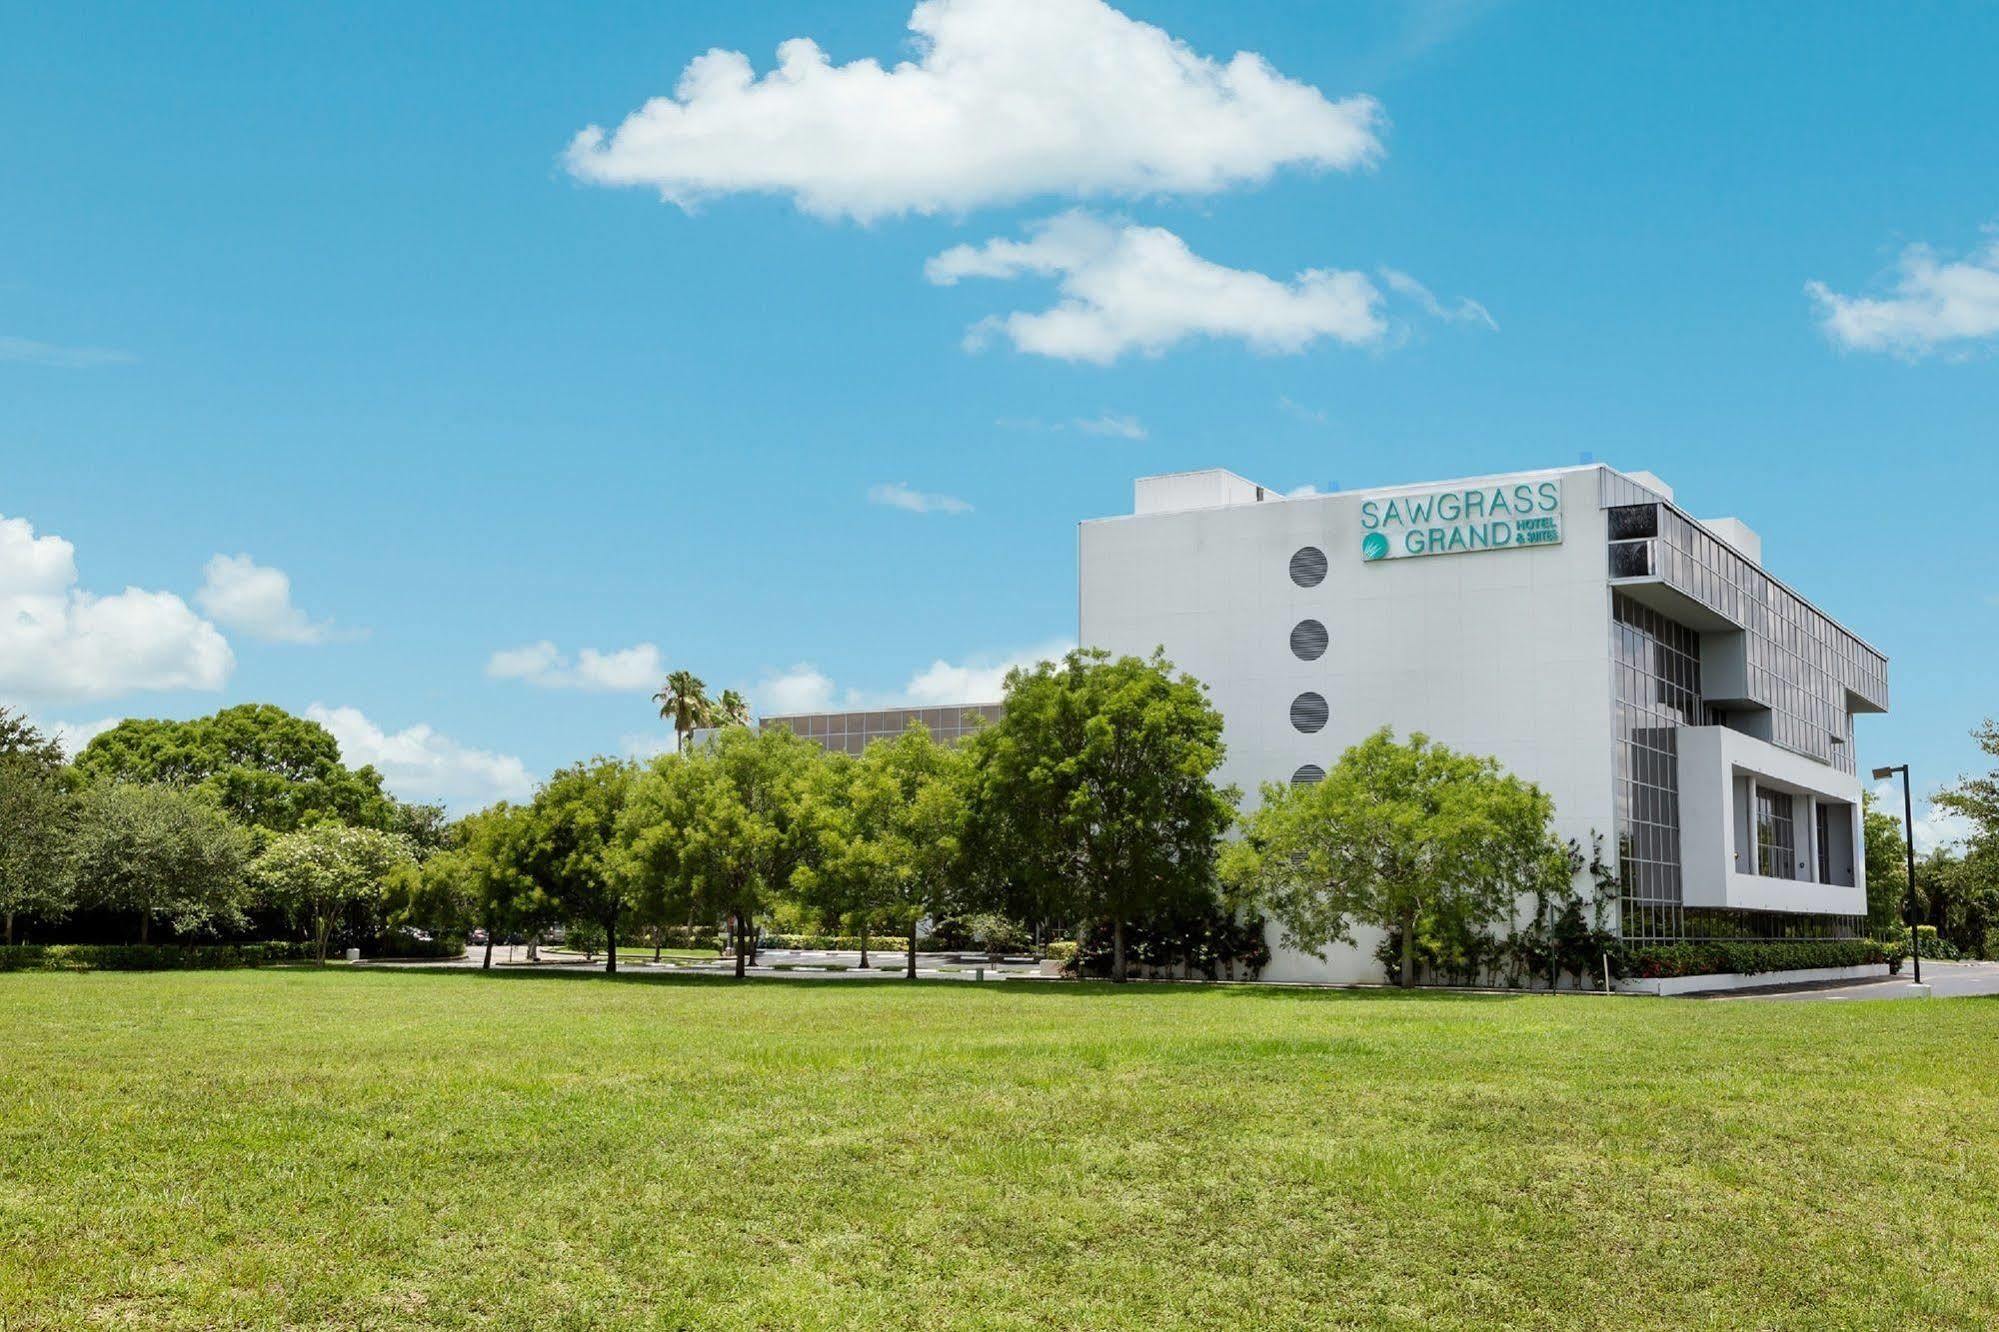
(1030, 990)
(523, 973)
(1374, 993)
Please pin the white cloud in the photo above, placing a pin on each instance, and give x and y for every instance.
(644, 745)
(1935, 303)
(1309, 415)
(417, 763)
(1114, 424)
(803, 688)
(1123, 427)
(1935, 826)
(1464, 312)
(73, 736)
(29, 352)
(622, 671)
(896, 495)
(1006, 100)
(59, 641)
(257, 600)
(1127, 288)
(977, 679)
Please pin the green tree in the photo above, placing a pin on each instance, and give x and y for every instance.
(733, 710)
(652, 856)
(1402, 836)
(908, 800)
(425, 829)
(432, 894)
(1957, 891)
(37, 817)
(683, 700)
(1102, 773)
(730, 826)
(318, 872)
(1977, 798)
(1887, 866)
(839, 876)
(572, 848)
(440, 888)
(162, 854)
(268, 769)
(20, 738)
(491, 865)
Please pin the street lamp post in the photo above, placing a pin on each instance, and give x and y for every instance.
(1908, 845)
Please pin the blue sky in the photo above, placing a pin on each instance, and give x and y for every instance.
(329, 288)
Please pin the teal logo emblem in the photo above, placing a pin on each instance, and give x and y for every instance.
(1374, 546)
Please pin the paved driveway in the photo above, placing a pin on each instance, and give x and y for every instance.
(800, 965)
(1945, 979)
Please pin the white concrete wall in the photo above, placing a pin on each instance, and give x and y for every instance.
(1752, 981)
(1718, 768)
(1208, 489)
(1503, 652)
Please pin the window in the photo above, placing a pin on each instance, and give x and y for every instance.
(1802, 665)
(1776, 839)
(1631, 559)
(1658, 682)
(1308, 566)
(1309, 712)
(1309, 640)
(1629, 521)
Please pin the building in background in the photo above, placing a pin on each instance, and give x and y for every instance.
(850, 732)
(1637, 663)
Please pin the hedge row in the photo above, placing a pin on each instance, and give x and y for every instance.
(1943, 950)
(1751, 958)
(149, 957)
(678, 936)
(878, 943)
(405, 947)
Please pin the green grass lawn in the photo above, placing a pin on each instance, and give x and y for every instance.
(444, 1148)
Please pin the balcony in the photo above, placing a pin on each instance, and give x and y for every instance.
(1764, 829)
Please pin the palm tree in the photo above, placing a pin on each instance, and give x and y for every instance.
(683, 700)
(734, 709)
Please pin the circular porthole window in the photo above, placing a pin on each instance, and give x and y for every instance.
(1308, 567)
(1308, 640)
(1309, 775)
(1309, 712)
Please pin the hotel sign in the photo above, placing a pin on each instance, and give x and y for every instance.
(1458, 519)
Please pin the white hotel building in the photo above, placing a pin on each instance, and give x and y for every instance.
(1635, 662)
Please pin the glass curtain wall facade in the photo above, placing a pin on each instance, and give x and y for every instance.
(1802, 667)
(851, 732)
(1658, 668)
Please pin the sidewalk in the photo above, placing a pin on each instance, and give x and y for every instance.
(796, 964)
(1942, 980)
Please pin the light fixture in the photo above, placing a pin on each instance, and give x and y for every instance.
(1909, 848)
